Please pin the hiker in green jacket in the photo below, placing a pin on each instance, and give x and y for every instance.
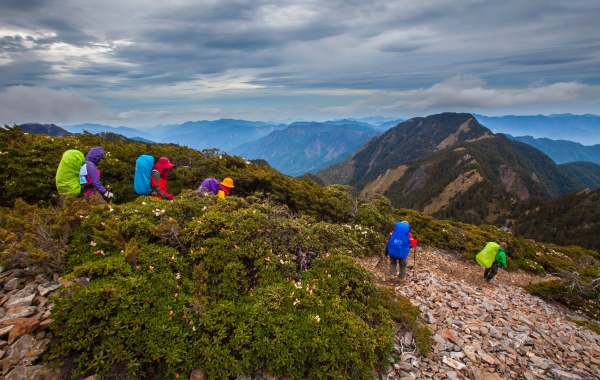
(491, 257)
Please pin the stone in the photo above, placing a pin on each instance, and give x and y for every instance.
(35, 372)
(93, 377)
(5, 330)
(38, 349)
(198, 374)
(26, 327)
(48, 287)
(477, 374)
(243, 377)
(559, 374)
(542, 363)
(267, 376)
(446, 333)
(429, 318)
(19, 300)
(453, 363)
(470, 352)
(18, 351)
(452, 375)
(41, 279)
(83, 281)
(491, 376)
(438, 339)
(11, 284)
(455, 305)
(29, 311)
(485, 357)
(457, 355)
(45, 324)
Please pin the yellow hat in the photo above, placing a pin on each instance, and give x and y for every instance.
(227, 182)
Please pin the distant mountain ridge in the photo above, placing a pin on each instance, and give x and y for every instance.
(412, 139)
(562, 151)
(306, 148)
(584, 129)
(99, 128)
(46, 129)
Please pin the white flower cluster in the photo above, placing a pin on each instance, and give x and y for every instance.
(158, 212)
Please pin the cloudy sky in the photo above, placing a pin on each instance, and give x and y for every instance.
(133, 62)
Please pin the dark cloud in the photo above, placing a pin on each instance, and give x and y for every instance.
(21, 5)
(288, 46)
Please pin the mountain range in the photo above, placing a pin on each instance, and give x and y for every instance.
(584, 129)
(306, 148)
(44, 129)
(450, 166)
(562, 151)
(447, 165)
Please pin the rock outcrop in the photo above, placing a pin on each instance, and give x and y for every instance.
(24, 320)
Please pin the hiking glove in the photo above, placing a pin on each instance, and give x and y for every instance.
(109, 195)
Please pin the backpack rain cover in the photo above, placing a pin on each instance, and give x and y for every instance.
(143, 171)
(67, 175)
(487, 256)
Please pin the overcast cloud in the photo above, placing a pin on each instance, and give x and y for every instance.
(149, 61)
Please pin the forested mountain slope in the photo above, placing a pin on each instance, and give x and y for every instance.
(412, 139)
(571, 219)
(476, 182)
(587, 173)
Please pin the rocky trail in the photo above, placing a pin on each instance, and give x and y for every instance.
(485, 330)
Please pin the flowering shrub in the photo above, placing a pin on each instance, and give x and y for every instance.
(228, 286)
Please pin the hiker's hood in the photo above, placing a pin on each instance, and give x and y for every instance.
(162, 165)
(95, 155)
(402, 227)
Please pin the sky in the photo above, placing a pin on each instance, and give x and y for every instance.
(142, 63)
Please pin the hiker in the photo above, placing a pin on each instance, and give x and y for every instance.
(491, 257)
(213, 186)
(89, 174)
(400, 241)
(158, 180)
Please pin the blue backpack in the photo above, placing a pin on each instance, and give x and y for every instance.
(143, 171)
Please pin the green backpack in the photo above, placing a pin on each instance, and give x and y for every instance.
(67, 175)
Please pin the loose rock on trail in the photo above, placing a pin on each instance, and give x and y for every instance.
(485, 330)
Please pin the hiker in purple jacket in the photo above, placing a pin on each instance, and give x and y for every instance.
(92, 185)
(209, 186)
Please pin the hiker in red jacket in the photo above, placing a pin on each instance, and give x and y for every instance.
(158, 180)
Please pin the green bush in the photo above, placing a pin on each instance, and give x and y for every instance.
(228, 286)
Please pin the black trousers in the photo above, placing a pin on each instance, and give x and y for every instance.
(491, 272)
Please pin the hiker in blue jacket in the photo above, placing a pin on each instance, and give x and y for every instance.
(398, 247)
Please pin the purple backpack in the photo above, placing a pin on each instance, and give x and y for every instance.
(211, 185)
